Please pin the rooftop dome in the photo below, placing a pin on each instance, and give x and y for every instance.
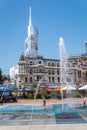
(22, 57)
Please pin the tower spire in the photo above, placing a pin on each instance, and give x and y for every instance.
(31, 42)
(30, 26)
(30, 19)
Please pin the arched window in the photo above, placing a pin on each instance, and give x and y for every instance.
(39, 62)
(53, 64)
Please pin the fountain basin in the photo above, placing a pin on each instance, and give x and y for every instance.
(53, 114)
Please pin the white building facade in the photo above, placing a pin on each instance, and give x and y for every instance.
(13, 74)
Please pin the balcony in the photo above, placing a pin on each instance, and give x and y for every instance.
(40, 72)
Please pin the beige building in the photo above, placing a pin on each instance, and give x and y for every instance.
(31, 70)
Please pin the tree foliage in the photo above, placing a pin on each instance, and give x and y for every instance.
(32, 86)
(1, 77)
(86, 76)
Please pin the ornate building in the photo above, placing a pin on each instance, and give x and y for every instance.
(32, 67)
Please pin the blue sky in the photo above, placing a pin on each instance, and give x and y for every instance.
(52, 18)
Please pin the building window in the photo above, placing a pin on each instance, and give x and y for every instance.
(79, 74)
(39, 62)
(49, 64)
(58, 79)
(31, 71)
(53, 64)
(30, 79)
(49, 79)
(58, 64)
(25, 79)
(58, 72)
(49, 72)
(21, 70)
(37, 78)
(52, 71)
(52, 79)
(31, 63)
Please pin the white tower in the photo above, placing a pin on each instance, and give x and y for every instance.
(31, 42)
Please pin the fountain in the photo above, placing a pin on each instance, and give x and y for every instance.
(49, 113)
(62, 110)
(66, 77)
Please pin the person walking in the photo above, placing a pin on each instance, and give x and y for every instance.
(1, 100)
(44, 103)
(84, 101)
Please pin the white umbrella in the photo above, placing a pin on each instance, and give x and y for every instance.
(83, 87)
(69, 87)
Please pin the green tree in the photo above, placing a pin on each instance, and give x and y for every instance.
(5, 77)
(1, 77)
(32, 86)
(8, 77)
(86, 76)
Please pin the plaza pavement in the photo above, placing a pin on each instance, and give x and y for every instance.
(47, 127)
(80, 126)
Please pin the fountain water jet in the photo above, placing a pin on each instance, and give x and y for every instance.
(65, 75)
(43, 79)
